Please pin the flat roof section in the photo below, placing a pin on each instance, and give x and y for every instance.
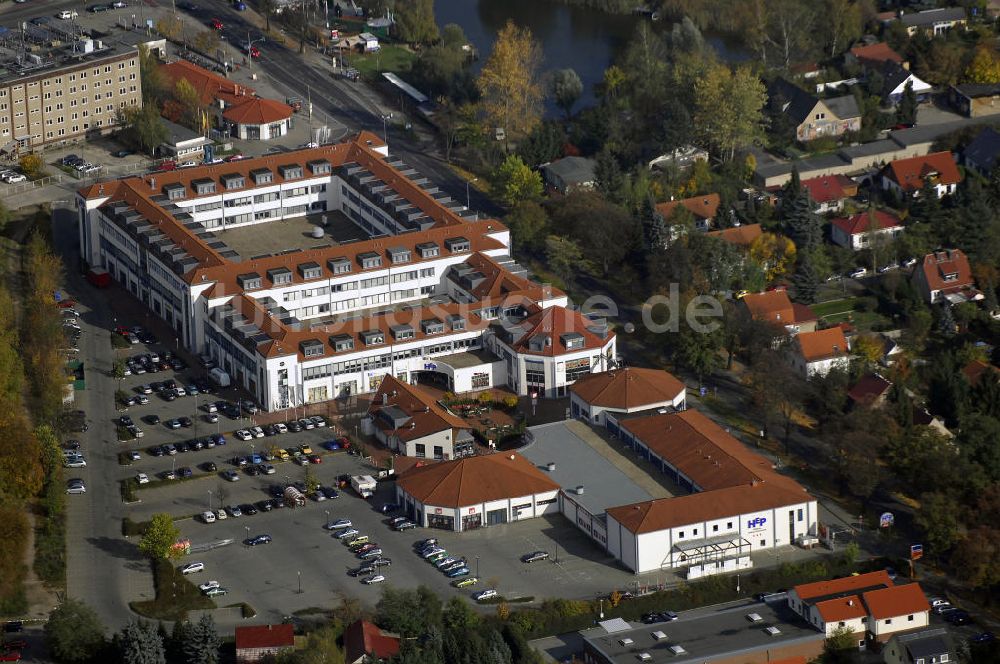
(276, 237)
(577, 463)
(468, 358)
(717, 634)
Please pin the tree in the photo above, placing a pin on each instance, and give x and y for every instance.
(975, 558)
(608, 176)
(806, 280)
(729, 109)
(604, 231)
(159, 537)
(143, 127)
(508, 82)
(697, 351)
(73, 632)
(654, 228)
(414, 22)
(140, 643)
(154, 87)
(566, 88)
(206, 42)
(984, 67)
(906, 109)
(266, 9)
(773, 253)
(940, 517)
(843, 22)
(189, 101)
(32, 165)
(514, 181)
(840, 647)
(802, 223)
(170, 26)
(564, 257)
(528, 223)
(543, 144)
(201, 643)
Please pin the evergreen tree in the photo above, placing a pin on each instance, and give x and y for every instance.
(806, 280)
(608, 175)
(926, 207)
(977, 223)
(654, 228)
(202, 643)
(802, 224)
(946, 321)
(906, 110)
(140, 643)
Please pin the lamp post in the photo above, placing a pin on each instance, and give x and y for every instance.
(385, 133)
(299, 574)
(209, 500)
(247, 528)
(327, 513)
(468, 203)
(250, 44)
(477, 567)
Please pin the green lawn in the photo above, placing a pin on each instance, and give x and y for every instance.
(834, 307)
(390, 58)
(175, 595)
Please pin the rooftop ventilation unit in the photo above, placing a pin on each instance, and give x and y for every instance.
(626, 641)
(677, 649)
(659, 635)
(645, 657)
(551, 467)
(578, 490)
(754, 617)
(318, 232)
(773, 631)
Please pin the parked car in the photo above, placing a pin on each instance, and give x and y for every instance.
(217, 592)
(66, 15)
(208, 517)
(466, 582)
(371, 580)
(535, 556)
(489, 593)
(259, 539)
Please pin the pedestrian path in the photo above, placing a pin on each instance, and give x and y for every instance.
(641, 476)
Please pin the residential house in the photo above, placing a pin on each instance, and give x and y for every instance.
(934, 22)
(775, 307)
(857, 231)
(980, 155)
(182, 143)
(874, 56)
(570, 174)
(703, 208)
(871, 391)
(814, 118)
(945, 276)
(891, 348)
(817, 353)
(741, 236)
(895, 79)
(408, 420)
(363, 639)
(975, 370)
(906, 177)
(254, 643)
(921, 417)
(829, 192)
(928, 646)
(682, 158)
(620, 392)
(975, 100)
(870, 606)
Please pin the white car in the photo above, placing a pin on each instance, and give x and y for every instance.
(243, 434)
(257, 432)
(373, 579)
(338, 524)
(142, 478)
(119, 4)
(208, 585)
(66, 15)
(208, 517)
(180, 391)
(14, 178)
(281, 427)
(75, 462)
(858, 273)
(191, 568)
(489, 593)
(220, 515)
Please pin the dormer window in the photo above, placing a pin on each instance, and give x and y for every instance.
(290, 171)
(310, 270)
(174, 191)
(456, 322)
(280, 276)
(339, 265)
(262, 176)
(233, 181)
(319, 167)
(457, 245)
(203, 186)
(432, 326)
(399, 255)
(369, 259)
(249, 281)
(572, 340)
(951, 276)
(373, 337)
(402, 332)
(429, 249)
(311, 348)
(342, 342)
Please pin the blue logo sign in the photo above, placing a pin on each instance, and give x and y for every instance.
(757, 523)
(430, 366)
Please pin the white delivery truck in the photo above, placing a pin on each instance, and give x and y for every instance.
(364, 485)
(219, 377)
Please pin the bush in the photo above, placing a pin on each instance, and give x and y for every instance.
(132, 528)
(32, 165)
(866, 304)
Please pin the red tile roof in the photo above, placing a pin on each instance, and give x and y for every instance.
(940, 265)
(553, 323)
(822, 344)
(702, 207)
(209, 85)
(265, 636)
(869, 389)
(426, 415)
(911, 173)
(775, 307)
(258, 111)
(900, 600)
(862, 222)
(876, 54)
(742, 236)
(841, 608)
(364, 638)
(844, 585)
(630, 388)
(824, 189)
(475, 480)
(976, 369)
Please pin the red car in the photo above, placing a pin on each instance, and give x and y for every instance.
(254, 52)
(11, 656)
(216, 24)
(122, 330)
(167, 166)
(234, 157)
(315, 458)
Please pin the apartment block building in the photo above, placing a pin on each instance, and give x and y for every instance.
(64, 94)
(310, 275)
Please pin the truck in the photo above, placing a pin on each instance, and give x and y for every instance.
(364, 485)
(219, 377)
(294, 497)
(99, 277)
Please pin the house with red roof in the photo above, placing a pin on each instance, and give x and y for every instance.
(818, 353)
(829, 192)
(871, 606)
(407, 419)
(946, 276)
(619, 392)
(859, 230)
(255, 642)
(774, 307)
(364, 639)
(703, 208)
(871, 391)
(875, 56)
(907, 177)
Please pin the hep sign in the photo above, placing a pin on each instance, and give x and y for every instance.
(759, 522)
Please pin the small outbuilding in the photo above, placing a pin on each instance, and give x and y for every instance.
(570, 174)
(255, 642)
(258, 119)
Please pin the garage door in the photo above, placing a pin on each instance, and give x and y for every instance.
(496, 517)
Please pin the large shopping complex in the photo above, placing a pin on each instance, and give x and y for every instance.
(311, 274)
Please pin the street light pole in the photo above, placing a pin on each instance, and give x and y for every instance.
(209, 500)
(477, 567)
(468, 204)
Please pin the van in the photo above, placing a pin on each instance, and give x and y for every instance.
(358, 541)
